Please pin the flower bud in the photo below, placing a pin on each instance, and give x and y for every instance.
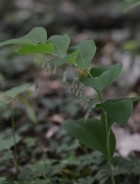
(64, 77)
(79, 92)
(74, 84)
(86, 104)
(36, 58)
(82, 103)
(87, 114)
(43, 65)
(54, 70)
(48, 67)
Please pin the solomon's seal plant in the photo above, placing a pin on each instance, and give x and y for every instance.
(95, 133)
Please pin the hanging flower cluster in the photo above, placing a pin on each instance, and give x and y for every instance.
(74, 86)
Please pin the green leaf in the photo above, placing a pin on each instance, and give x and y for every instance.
(6, 156)
(92, 134)
(87, 51)
(30, 141)
(102, 77)
(55, 169)
(35, 36)
(42, 169)
(129, 4)
(3, 180)
(71, 58)
(26, 174)
(88, 180)
(97, 83)
(31, 114)
(102, 175)
(7, 142)
(43, 181)
(29, 108)
(5, 100)
(15, 91)
(134, 99)
(109, 120)
(47, 48)
(119, 110)
(61, 44)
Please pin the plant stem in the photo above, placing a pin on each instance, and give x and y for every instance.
(112, 177)
(107, 128)
(14, 137)
(108, 140)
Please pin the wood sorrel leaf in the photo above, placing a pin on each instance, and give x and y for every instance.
(102, 77)
(87, 51)
(34, 37)
(119, 110)
(91, 133)
(61, 44)
(47, 48)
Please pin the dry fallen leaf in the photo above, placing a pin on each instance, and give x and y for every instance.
(56, 118)
(126, 142)
(52, 131)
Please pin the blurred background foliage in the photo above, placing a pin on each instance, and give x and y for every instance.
(45, 150)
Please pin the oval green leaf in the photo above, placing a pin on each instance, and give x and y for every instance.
(71, 58)
(15, 91)
(130, 4)
(34, 37)
(102, 77)
(87, 51)
(47, 48)
(119, 110)
(92, 134)
(61, 44)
